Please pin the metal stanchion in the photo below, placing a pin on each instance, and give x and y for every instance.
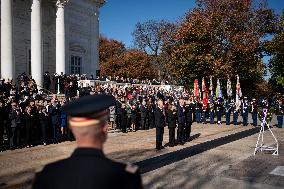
(260, 146)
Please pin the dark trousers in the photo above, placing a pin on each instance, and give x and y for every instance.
(15, 137)
(254, 118)
(159, 137)
(43, 131)
(28, 140)
(187, 130)
(219, 115)
(172, 136)
(55, 128)
(118, 122)
(228, 118)
(180, 133)
(235, 118)
(211, 114)
(280, 121)
(197, 117)
(245, 118)
(204, 117)
(1, 133)
(143, 123)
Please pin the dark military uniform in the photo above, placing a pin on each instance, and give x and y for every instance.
(253, 109)
(88, 168)
(229, 106)
(245, 106)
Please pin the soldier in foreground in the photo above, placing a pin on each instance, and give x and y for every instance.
(88, 167)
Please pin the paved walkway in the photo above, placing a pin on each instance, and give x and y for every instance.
(214, 158)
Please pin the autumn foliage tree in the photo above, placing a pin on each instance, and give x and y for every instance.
(116, 60)
(221, 38)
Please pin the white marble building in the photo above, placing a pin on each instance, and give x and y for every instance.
(49, 35)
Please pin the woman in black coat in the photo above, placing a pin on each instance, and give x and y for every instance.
(172, 121)
(29, 123)
(44, 121)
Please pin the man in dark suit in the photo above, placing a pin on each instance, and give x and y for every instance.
(88, 167)
(181, 121)
(160, 123)
(54, 114)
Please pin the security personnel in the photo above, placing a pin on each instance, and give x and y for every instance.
(253, 109)
(88, 167)
(245, 108)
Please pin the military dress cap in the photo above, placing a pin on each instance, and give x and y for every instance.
(89, 110)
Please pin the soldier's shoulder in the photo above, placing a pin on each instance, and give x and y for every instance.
(51, 167)
(127, 167)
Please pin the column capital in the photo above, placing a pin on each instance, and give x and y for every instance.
(61, 3)
(99, 3)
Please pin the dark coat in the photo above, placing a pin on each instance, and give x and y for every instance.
(172, 118)
(15, 118)
(43, 119)
(29, 120)
(123, 117)
(88, 169)
(160, 119)
(181, 115)
(189, 110)
(144, 112)
(54, 113)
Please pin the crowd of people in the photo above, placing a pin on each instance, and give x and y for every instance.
(30, 115)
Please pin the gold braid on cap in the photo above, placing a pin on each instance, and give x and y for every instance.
(86, 122)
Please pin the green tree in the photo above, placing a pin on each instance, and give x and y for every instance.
(275, 48)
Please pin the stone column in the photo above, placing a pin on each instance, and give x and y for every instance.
(95, 34)
(60, 37)
(36, 43)
(7, 54)
(94, 43)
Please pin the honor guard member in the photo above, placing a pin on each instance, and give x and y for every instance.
(219, 109)
(236, 111)
(197, 109)
(88, 167)
(253, 109)
(211, 110)
(204, 109)
(229, 106)
(279, 112)
(244, 109)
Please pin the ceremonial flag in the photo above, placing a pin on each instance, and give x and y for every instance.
(211, 86)
(229, 88)
(238, 89)
(203, 85)
(219, 90)
(196, 88)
